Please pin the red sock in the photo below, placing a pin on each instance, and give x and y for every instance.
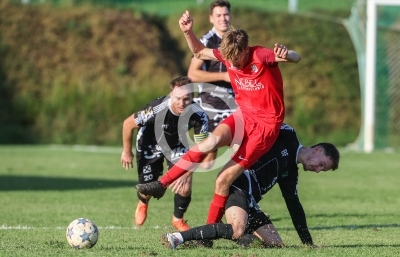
(217, 209)
(190, 160)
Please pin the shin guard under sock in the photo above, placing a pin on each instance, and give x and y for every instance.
(217, 209)
(181, 203)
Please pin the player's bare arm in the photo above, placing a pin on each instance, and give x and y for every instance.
(282, 54)
(197, 48)
(127, 134)
(197, 74)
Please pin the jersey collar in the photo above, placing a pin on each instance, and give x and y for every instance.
(216, 33)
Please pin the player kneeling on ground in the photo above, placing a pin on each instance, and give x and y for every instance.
(246, 221)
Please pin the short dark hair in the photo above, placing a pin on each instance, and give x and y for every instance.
(220, 3)
(182, 81)
(331, 151)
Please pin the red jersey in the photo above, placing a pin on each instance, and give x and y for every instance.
(258, 86)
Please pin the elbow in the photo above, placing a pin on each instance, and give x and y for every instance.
(295, 58)
(195, 76)
(191, 75)
(125, 123)
(197, 54)
(128, 123)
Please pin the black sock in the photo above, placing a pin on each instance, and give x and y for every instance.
(181, 205)
(141, 198)
(210, 231)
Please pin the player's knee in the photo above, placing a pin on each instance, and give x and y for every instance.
(185, 193)
(186, 189)
(238, 230)
(222, 185)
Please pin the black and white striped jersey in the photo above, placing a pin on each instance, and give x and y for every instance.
(212, 40)
(159, 127)
(217, 97)
(278, 166)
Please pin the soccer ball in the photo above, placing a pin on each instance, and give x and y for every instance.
(82, 233)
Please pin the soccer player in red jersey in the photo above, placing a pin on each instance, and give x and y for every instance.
(257, 82)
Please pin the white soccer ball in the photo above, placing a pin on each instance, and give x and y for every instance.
(82, 233)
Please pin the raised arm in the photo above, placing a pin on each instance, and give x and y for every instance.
(197, 48)
(282, 54)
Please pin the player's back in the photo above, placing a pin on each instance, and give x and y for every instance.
(273, 165)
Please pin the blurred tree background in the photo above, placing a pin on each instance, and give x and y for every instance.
(72, 71)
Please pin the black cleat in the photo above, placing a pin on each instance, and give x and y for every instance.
(154, 189)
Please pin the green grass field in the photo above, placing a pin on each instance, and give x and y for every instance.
(353, 211)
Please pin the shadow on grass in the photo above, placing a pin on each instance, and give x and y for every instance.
(362, 245)
(15, 183)
(336, 215)
(351, 227)
(297, 247)
(373, 226)
(342, 246)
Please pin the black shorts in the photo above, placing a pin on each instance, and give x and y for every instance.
(256, 218)
(218, 106)
(150, 162)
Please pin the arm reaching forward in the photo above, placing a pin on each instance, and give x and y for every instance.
(197, 48)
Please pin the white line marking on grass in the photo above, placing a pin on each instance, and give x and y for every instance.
(102, 149)
(26, 227)
(157, 227)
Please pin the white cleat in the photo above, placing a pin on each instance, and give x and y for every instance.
(169, 241)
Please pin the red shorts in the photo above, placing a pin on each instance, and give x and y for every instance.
(254, 138)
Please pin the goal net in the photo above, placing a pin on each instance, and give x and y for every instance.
(374, 27)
